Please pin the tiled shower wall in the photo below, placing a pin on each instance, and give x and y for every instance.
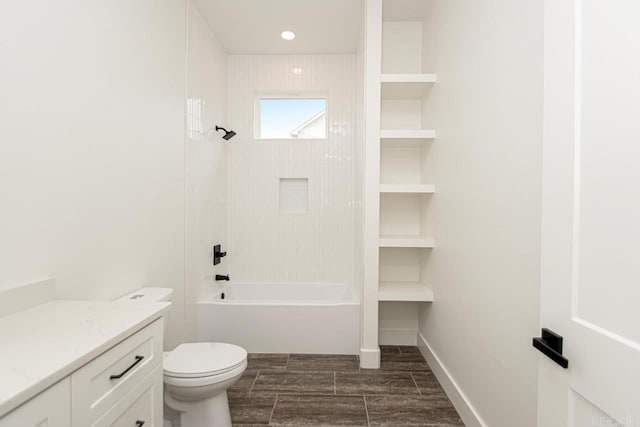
(264, 244)
(206, 165)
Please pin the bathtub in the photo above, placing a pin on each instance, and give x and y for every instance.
(283, 318)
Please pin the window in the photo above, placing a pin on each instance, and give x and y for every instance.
(291, 117)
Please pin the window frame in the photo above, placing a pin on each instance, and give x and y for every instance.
(288, 95)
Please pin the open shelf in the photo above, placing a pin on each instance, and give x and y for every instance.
(408, 78)
(404, 291)
(406, 219)
(406, 166)
(404, 275)
(408, 134)
(408, 188)
(406, 242)
(405, 86)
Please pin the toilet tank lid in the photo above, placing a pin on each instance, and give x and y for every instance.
(149, 294)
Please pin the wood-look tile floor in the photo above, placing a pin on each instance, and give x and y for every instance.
(331, 390)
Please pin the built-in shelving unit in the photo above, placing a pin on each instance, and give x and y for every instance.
(407, 185)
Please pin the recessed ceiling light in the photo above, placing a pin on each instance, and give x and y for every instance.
(288, 35)
(296, 70)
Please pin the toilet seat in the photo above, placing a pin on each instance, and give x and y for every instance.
(204, 360)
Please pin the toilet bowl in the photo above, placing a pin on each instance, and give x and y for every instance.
(197, 375)
(196, 378)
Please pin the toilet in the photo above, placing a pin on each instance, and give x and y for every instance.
(197, 375)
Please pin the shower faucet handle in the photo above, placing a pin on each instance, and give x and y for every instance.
(217, 254)
(221, 277)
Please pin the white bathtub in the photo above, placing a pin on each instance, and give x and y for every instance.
(283, 318)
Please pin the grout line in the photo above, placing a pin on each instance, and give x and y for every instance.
(286, 365)
(254, 381)
(366, 410)
(273, 409)
(334, 383)
(414, 381)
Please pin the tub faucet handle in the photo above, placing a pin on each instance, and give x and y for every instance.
(221, 277)
(218, 254)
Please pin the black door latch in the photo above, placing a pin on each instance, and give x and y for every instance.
(551, 345)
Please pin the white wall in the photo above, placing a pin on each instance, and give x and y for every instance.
(206, 166)
(488, 117)
(264, 245)
(92, 146)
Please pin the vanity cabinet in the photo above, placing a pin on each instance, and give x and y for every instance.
(51, 408)
(122, 386)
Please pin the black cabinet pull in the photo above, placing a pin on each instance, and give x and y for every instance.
(550, 344)
(139, 423)
(123, 373)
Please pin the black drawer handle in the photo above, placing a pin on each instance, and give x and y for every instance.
(550, 344)
(123, 373)
(139, 423)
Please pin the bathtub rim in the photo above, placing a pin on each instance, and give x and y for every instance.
(214, 296)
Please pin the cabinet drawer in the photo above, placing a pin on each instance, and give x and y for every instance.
(141, 407)
(98, 385)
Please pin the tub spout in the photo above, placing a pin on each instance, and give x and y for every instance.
(221, 277)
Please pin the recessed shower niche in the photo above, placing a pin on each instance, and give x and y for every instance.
(294, 195)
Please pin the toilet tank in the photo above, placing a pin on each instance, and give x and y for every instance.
(149, 294)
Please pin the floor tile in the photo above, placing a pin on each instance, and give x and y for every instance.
(389, 349)
(401, 356)
(408, 362)
(375, 384)
(299, 390)
(322, 362)
(277, 361)
(250, 408)
(404, 365)
(294, 382)
(428, 384)
(405, 349)
(246, 381)
(294, 410)
(400, 411)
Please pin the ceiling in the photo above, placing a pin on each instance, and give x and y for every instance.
(254, 26)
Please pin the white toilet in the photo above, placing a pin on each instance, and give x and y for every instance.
(197, 375)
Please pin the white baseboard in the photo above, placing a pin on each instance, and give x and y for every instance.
(467, 412)
(370, 359)
(387, 336)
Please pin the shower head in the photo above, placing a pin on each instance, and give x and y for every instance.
(228, 134)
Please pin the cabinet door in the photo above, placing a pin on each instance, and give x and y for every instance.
(51, 408)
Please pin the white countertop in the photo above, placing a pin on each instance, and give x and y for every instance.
(42, 345)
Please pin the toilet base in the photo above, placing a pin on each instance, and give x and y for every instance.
(213, 411)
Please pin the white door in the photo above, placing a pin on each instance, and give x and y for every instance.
(590, 284)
